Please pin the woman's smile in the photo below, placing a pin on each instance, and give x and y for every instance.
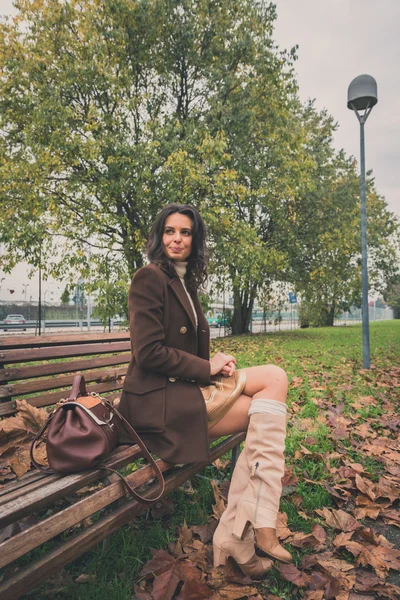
(177, 237)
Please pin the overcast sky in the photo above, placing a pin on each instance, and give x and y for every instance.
(338, 40)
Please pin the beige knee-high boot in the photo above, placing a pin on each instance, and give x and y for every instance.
(259, 504)
(224, 544)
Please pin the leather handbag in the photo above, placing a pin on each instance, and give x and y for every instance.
(82, 431)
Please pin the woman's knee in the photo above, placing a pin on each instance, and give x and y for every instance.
(276, 376)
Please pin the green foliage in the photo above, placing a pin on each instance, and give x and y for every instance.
(324, 239)
(392, 296)
(111, 288)
(317, 312)
(205, 302)
(66, 296)
(111, 109)
(304, 315)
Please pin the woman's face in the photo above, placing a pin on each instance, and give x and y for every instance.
(177, 237)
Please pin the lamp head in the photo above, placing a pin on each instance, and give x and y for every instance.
(362, 93)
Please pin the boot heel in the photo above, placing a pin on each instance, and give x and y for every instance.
(220, 556)
(241, 523)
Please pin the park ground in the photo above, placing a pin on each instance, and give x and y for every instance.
(339, 509)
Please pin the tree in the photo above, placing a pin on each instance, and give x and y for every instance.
(392, 296)
(65, 296)
(109, 109)
(323, 234)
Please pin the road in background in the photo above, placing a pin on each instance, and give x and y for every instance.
(78, 328)
(215, 332)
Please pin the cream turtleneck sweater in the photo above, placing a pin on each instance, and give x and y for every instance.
(180, 268)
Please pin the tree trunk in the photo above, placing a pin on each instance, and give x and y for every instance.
(331, 315)
(134, 259)
(243, 309)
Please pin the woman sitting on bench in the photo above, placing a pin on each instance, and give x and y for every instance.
(177, 398)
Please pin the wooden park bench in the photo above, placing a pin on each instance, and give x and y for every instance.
(41, 369)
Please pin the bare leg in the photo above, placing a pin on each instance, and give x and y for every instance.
(266, 381)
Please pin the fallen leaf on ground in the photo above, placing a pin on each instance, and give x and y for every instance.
(355, 596)
(292, 574)
(232, 592)
(282, 530)
(289, 478)
(308, 540)
(85, 577)
(16, 435)
(365, 580)
(168, 572)
(377, 559)
(387, 590)
(206, 532)
(140, 594)
(220, 505)
(391, 516)
(221, 464)
(315, 595)
(339, 519)
(366, 487)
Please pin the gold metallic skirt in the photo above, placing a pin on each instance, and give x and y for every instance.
(222, 394)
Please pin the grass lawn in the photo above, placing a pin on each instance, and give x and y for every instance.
(340, 450)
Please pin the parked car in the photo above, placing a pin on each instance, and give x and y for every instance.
(212, 321)
(217, 321)
(223, 321)
(14, 320)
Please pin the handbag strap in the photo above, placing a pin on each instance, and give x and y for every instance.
(135, 438)
(78, 387)
(128, 427)
(35, 441)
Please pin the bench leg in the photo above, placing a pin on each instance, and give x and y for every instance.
(106, 480)
(235, 456)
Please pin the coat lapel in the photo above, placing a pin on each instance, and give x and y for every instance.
(181, 294)
(203, 349)
(199, 311)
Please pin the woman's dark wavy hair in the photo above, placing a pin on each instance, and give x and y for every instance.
(196, 273)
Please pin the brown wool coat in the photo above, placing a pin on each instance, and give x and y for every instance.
(161, 397)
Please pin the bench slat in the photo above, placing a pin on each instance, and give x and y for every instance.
(48, 528)
(34, 341)
(8, 408)
(17, 373)
(40, 385)
(14, 486)
(59, 486)
(50, 353)
(31, 576)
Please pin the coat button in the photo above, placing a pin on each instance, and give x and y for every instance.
(172, 379)
(183, 330)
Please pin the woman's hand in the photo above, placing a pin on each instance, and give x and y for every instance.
(228, 370)
(223, 363)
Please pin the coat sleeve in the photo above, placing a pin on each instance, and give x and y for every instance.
(146, 307)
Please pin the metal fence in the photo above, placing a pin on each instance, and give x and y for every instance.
(56, 316)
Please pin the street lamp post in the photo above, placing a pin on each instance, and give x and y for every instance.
(25, 286)
(362, 95)
(40, 298)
